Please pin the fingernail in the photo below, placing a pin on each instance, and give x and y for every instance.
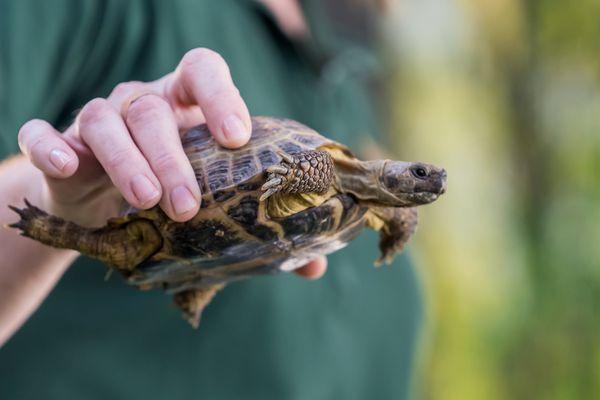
(182, 200)
(59, 158)
(234, 128)
(143, 189)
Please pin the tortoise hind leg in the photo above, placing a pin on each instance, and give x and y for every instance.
(123, 245)
(395, 225)
(193, 301)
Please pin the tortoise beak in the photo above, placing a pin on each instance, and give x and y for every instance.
(443, 176)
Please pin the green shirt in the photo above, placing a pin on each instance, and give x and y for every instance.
(350, 335)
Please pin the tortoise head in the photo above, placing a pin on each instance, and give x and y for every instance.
(403, 184)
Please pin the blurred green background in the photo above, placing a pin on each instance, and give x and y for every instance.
(506, 95)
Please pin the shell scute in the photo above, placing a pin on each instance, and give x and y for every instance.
(245, 212)
(218, 169)
(243, 168)
(208, 238)
(290, 147)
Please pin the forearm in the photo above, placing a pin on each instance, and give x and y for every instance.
(28, 270)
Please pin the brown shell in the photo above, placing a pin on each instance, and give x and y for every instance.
(222, 171)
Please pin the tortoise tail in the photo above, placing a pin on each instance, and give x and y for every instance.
(193, 301)
(123, 246)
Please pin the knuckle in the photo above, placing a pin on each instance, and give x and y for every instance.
(148, 104)
(209, 61)
(28, 129)
(164, 163)
(31, 134)
(224, 95)
(118, 159)
(217, 97)
(34, 124)
(94, 111)
(33, 150)
(35, 145)
(202, 55)
(125, 88)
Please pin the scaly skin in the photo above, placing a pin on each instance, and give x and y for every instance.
(304, 172)
(399, 224)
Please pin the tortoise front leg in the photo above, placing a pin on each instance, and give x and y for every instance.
(304, 172)
(395, 225)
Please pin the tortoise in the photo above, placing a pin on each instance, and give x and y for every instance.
(287, 196)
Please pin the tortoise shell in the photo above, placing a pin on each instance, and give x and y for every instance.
(220, 172)
(232, 237)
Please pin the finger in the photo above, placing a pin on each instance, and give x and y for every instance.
(153, 127)
(43, 145)
(103, 130)
(187, 113)
(203, 78)
(314, 269)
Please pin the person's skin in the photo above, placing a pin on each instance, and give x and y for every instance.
(126, 146)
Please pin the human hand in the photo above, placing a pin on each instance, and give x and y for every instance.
(127, 146)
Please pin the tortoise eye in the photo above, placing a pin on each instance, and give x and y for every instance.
(419, 172)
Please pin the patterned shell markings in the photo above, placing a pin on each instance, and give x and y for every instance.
(220, 171)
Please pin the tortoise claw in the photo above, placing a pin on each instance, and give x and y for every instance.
(286, 157)
(268, 194)
(278, 169)
(271, 183)
(277, 177)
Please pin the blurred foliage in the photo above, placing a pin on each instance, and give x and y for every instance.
(506, 95)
